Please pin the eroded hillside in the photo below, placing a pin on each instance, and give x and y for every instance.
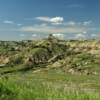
(73, 56)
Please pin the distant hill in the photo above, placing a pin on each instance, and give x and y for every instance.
(72, 56)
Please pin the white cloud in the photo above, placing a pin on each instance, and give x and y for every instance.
(87, 23)
(60, 20)
(11, 22)
(59, 35)
(46, 19)
(54, 20)
(19, 24)
(94, 29)
(95, 35)
(22, 35)
(70, 23)
(57, 20)
(44, 24)
(80, 36)
(73, 23)
(84, 32)
(56, 23)
(34, 35)
(52, 29)
(8, 22)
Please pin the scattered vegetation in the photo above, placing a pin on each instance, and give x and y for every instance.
(50, 69)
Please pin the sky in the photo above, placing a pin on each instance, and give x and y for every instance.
(35, 19)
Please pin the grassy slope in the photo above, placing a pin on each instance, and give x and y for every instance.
(53, 81)
(49, 85)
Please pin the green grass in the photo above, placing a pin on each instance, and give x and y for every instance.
(49, 85)
(36, 79)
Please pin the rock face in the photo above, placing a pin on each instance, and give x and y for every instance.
(4, 60)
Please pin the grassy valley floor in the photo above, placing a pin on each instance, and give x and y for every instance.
(49, 85)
